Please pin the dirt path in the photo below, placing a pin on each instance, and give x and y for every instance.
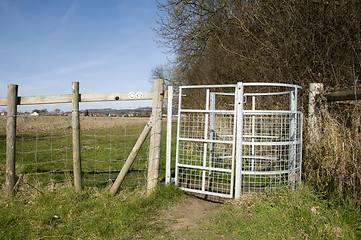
(190, 213)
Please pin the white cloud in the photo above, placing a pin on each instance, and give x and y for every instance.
(41, 80)
(71, 10)
(80, 66)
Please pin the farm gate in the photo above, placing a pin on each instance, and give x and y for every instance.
(235, 139)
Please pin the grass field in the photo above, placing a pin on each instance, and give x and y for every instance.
(44, 150)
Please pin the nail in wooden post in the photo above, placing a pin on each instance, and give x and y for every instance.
(76, 137)
(155, 135)
(11, 138)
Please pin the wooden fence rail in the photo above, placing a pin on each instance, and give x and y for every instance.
(343, 96)
(315, 92)
(13, 100)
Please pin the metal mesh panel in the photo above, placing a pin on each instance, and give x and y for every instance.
(205, 156)
(268, 139)
(271, 151)
(205, 181)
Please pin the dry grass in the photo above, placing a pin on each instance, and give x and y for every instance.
(111, 122)
(333, 164)
(60, 124)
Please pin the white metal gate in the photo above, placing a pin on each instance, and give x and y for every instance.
(234, 139)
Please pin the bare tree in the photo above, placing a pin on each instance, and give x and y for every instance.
(297, 41)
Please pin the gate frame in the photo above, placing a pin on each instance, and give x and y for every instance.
(238, 128)
(206, 111)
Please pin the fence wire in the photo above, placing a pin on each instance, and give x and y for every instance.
(2, 150)
(44, 150)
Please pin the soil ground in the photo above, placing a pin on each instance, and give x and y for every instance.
(189, 213)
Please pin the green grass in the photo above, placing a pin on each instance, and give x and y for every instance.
(63, 214)
(284, 214)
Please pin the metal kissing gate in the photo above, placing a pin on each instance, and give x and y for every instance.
(235, 139)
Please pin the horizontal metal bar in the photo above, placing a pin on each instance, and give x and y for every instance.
(204, 140)
(224, 136)
(272, 85)
(209, 86)
(265, 172)
(224, 94)
(206, 111)
(259, 136)
(245, 112)
(259, 157)
(269, 112)
(205, 168)
(272, 143)
(245, 84)
(267, 94)
(223, 157)
(206, 192)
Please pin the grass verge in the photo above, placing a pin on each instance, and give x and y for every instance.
(93, 214)
(63, 214)
(285, 214)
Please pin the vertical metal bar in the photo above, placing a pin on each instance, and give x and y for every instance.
(295, 136)
(291, 158)
(12, 102)
(212, 134)
(205, 144)
(169, 135)
(178, 135)
(234, 141)
(253, 130)
(239, 140)
(300, 149)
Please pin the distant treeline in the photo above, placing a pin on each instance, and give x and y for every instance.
(120, 112)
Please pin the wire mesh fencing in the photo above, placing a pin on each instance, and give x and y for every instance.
(44, 150)
(2, 149)
(106, 144)
(271, 154)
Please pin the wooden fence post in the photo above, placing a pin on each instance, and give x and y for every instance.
(155, 135)
(76, 137)
(315, 90)
(12, 103)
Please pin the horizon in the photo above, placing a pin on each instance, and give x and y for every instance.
(105, 46)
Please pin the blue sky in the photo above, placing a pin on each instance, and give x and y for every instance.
(107, 46)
